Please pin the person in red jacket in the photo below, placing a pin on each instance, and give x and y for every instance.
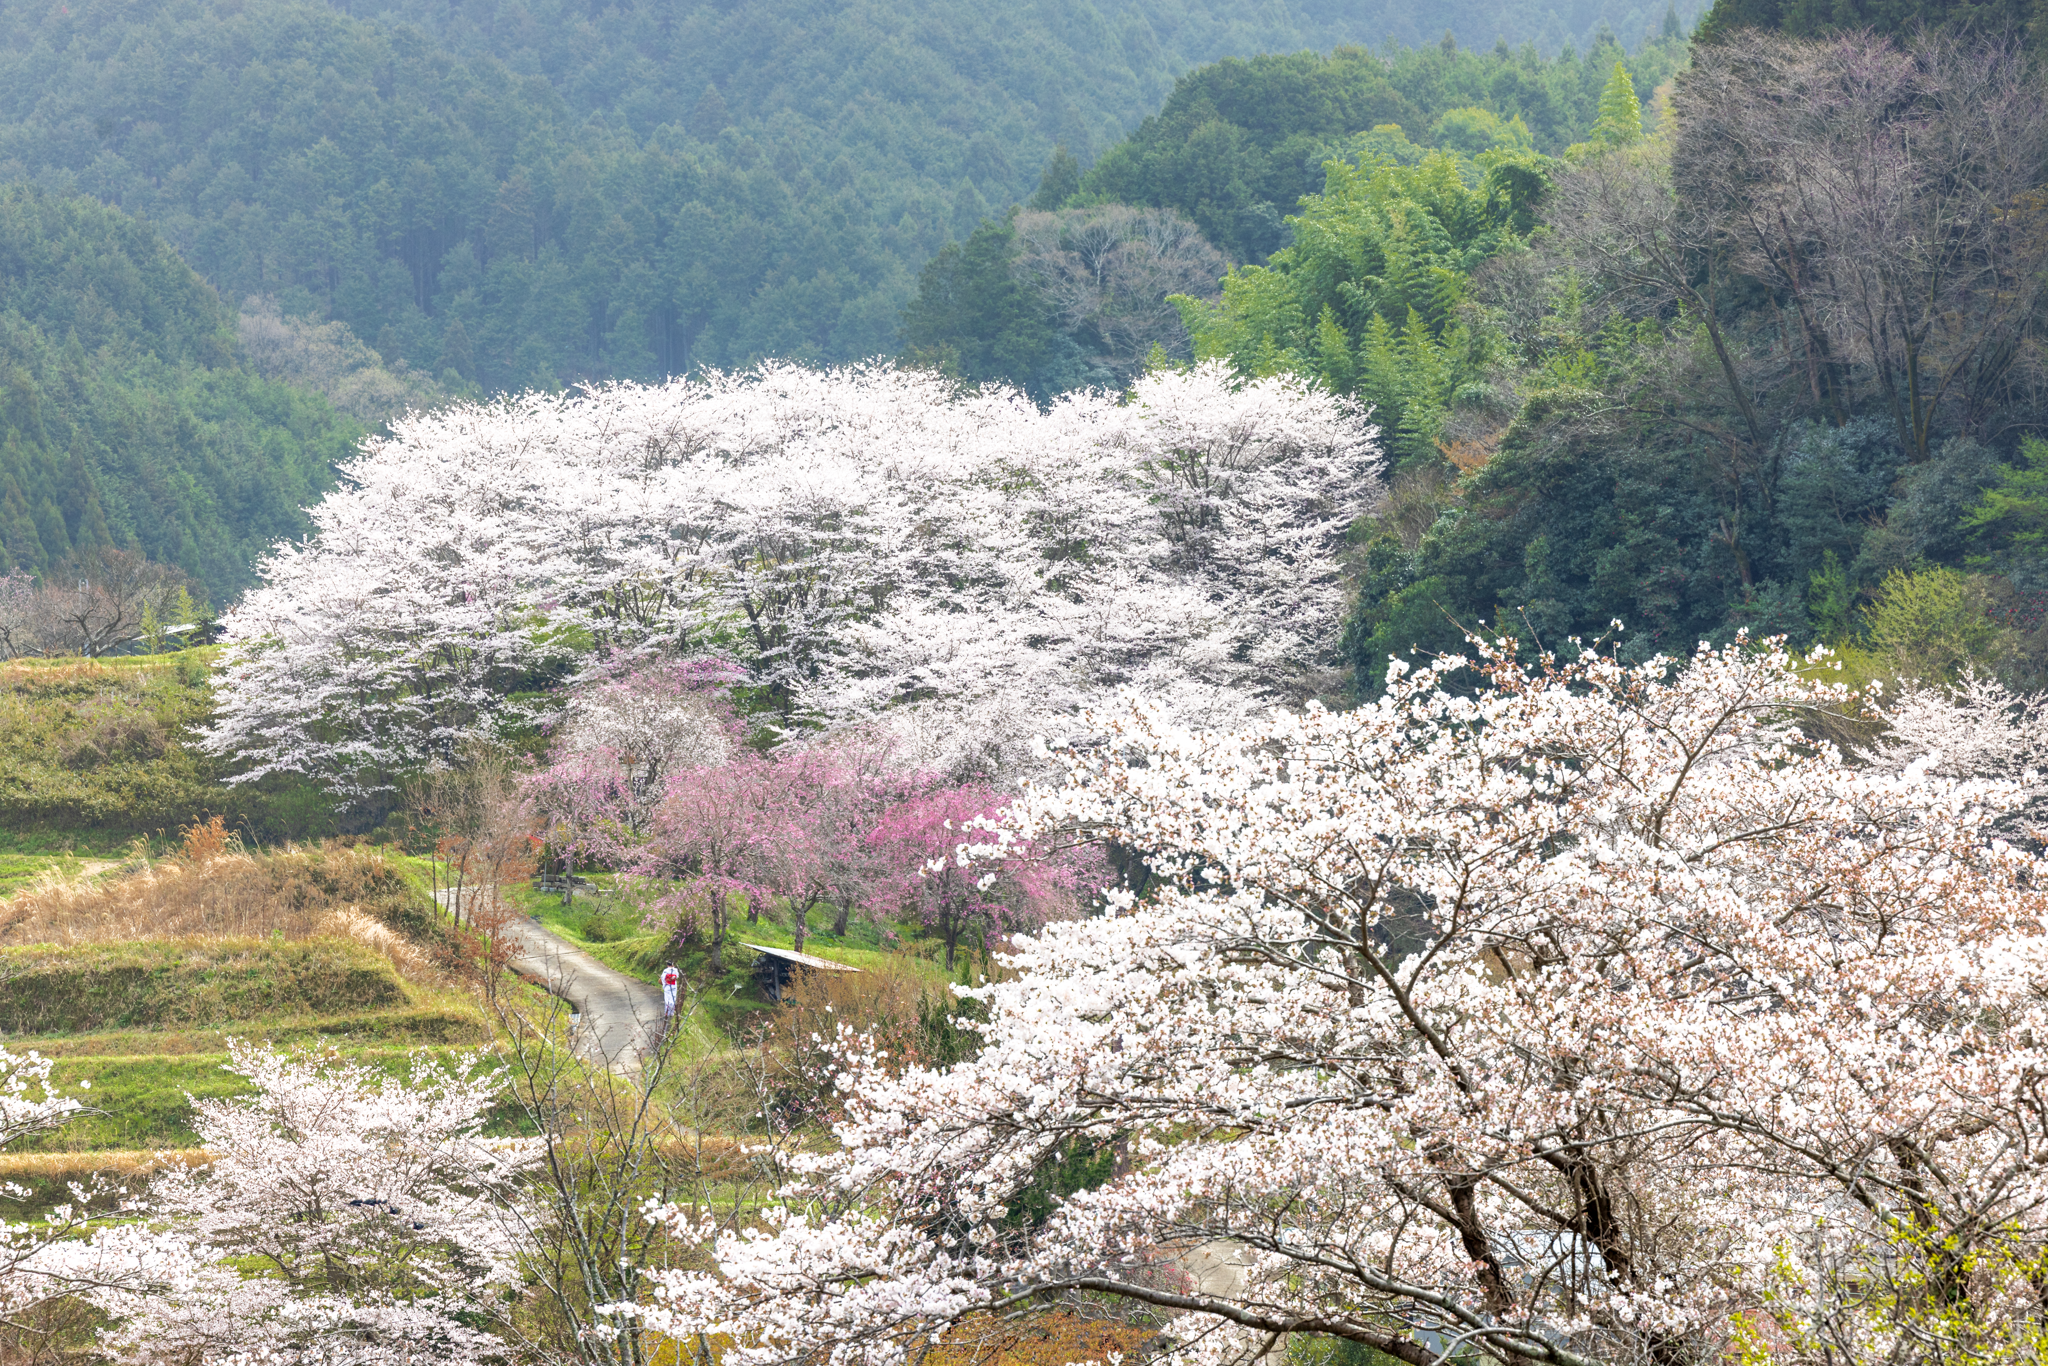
(669, 980)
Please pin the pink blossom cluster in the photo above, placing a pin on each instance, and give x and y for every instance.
(835, 821)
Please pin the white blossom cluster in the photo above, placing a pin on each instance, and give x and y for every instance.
(857, 540)
(345, 1218)
(1588, 1019)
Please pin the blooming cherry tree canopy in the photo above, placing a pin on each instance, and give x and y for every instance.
(346, 1217)
(857, 539)
(1599, 1017)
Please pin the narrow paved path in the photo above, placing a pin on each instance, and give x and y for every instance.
(621, 1014)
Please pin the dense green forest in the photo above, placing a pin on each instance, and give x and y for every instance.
(1234, 153)
(1240, 142)
(1692, 364)
(513, 195)
(1773, 364)
(126, 417)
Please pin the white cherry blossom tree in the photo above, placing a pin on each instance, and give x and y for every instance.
(346, 1217)
(1979, 728)
(1599, 1017)
(859, 541)
(53, 1257)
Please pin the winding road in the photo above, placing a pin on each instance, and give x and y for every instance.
(621, 1014)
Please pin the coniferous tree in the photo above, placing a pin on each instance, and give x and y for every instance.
(1060, 181)
(1621, 114)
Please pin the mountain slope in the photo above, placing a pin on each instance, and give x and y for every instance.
(126, 417)
(516, 194)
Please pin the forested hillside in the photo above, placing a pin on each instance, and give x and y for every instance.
(1737, 380)
(126, 417)
(1050, 302)
(517, 196)
(1240, 142)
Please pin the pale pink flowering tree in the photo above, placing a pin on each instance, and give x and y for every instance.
(654, 719)
(833, 792)
(346, 1217)
(618, 741)
(1601, 1017)
(73, 1248)
(924, 842)
(721, 831)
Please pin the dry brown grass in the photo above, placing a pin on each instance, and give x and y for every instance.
(118, 1165)
(1053, 1338)
(218, 891)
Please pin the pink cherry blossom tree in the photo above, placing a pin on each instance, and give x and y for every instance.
(924, 842)
(1602, 1017)
(619, 739)
(722, 831)
(842, 786)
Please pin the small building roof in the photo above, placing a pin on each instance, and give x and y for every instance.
(801, 959)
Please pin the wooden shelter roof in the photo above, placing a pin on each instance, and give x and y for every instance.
(800, 959)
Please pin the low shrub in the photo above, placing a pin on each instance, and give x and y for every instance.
(908, 1016)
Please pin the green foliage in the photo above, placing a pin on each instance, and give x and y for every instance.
(1059, 182)
(1621, 117)
(101, 752)
(1239, 143)
(1367, 298)
(1471, 130)
(1417, 619)
(1830, 601)
(941, 1039)
(1079, 1163)
(2009, 524)
(125, 417)
(974, 320)
(1934, 624)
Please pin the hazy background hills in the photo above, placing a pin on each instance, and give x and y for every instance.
(507, 195)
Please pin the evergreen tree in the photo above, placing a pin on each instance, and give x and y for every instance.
(1621, 115)
(1060, 181)
(125, 417)
(972, 318)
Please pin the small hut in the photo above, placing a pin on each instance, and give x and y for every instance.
(774, 968)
